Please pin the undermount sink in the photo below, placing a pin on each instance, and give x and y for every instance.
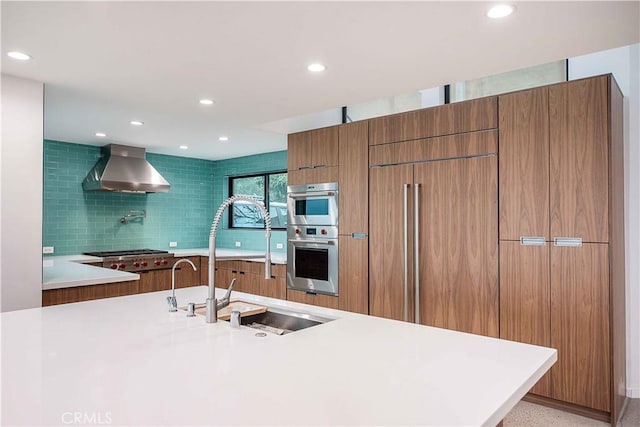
(276, 320)
(281, 322)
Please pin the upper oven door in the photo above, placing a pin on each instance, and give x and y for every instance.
(312, 204)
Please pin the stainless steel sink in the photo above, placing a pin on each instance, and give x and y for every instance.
(276, 320)
(281, 322)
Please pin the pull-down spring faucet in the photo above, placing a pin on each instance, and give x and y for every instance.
(212, 303)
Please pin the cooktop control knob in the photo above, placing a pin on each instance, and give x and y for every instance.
(297, 231)
(157, 262)
(323, 231)
(114, 266)
(136, 264)
(123, 265)
(145, 263)
(165, 262)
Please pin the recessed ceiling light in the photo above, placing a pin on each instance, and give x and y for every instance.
(223, 138)
(183, 147)
(19, 56)
(316, 68)
(206, 102)
(500, 11)
(136, 122)
(101, 134)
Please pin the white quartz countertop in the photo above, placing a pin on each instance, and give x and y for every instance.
(128, 361)
(68, 271)
(60, 273)
(224, 253)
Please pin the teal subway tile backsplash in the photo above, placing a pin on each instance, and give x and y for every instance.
(76, 221)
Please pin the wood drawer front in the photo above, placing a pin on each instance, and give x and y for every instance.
(446, 147)
(467, 116)
(312, 176)
(317, 299)
(279, 270)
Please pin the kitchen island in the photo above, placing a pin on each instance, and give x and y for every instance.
(128, 361)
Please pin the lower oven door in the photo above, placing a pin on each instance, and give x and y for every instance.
(312, 265)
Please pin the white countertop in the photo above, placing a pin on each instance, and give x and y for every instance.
(60, 273)
(129, 361)
(224, 253)
(68, 271)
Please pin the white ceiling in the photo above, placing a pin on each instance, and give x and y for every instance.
(106, 63)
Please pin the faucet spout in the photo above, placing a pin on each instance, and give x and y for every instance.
(212, 303)
(173, 304)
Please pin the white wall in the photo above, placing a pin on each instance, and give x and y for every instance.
(624, 64)
(21, 193)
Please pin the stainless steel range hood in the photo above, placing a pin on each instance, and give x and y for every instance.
(124, 169)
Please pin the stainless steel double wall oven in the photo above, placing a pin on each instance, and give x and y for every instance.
(312, 238)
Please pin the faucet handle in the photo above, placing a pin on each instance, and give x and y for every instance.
(173, 304)
(229, 289)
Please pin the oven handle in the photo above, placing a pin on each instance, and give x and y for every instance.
(319, 242)
(315, 194)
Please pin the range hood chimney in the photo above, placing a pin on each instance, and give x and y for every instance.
(124, 169)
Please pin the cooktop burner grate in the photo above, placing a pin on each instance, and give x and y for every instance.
(106, 254)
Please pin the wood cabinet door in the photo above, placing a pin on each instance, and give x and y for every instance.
(275, 287)
(316, 148)
(312, 176)
(579, 153)
(525, 307)
(155, 280)
(386, 243)
(458, 244)
(580, 325)
(299, 151)
(524, 164)
(185, 274)
(353, 268)
(324, 145)
(354, 178)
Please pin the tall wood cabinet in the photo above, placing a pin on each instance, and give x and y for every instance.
(434, 232)
(562, 238)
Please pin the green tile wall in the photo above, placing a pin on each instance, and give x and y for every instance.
(249, 239)
(76, 221)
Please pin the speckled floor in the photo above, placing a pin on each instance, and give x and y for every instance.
(527, 414)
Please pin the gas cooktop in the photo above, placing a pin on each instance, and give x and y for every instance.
(132, 252)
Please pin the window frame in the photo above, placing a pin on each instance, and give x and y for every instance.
(266, 199)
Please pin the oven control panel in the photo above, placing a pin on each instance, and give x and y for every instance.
(312, 232)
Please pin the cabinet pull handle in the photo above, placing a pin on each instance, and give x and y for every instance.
(319, 166)
(305, 195)
(573, 242)
(416, 251)
(303, 167)
(405, 223)
(532, 241)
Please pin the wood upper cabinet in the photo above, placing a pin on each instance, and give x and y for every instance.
(313, 149)
(460, 117)
(444, 147)
(312, 176)
(458, 244)
(579, 155)
(580, 325)
(524, 164)
(353, 178)
(525, 306)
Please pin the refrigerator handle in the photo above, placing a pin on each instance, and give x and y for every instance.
(405, 216)
(416, 251)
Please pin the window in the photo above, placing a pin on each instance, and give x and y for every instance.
(270, 188)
